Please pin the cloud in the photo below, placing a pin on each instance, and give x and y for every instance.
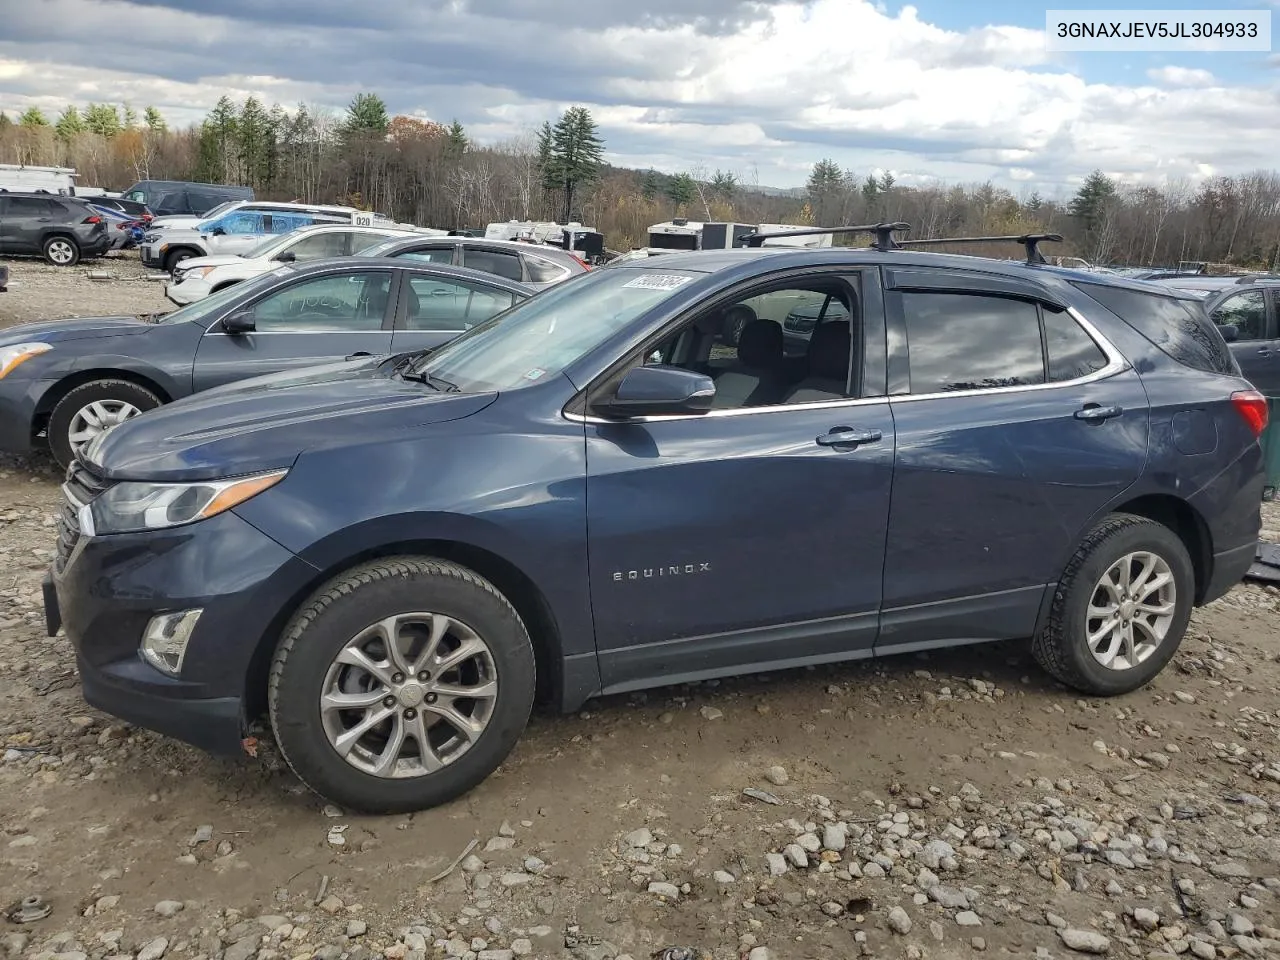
(1182, 76)
(761, 87)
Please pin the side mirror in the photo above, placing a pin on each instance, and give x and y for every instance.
(218, 232)
(239, 322)
(650, 391)
(287, 257)
(1230, 332)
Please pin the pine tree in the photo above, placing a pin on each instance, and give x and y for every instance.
(69, 123)
(681, 190)
(102, 119)
(33, 117)
(723, 185)
(218, 141)
(651, 185)
(130, 116)
(1034, 203)
(1090, 203)
(367, 115)
(825, 188)
(457, 139)
(570, 153)
(154, 120)
(255, 139)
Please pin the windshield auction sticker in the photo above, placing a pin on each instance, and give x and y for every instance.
(658, 281)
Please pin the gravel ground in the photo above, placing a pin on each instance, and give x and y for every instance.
(937, 806)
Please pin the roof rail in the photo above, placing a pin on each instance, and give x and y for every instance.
(1030, 241)
(883, 233)
(1258, 278)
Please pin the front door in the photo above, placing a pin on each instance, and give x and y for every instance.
(753, 536)
(1256, 348)
(315, 319)
(1014, 429)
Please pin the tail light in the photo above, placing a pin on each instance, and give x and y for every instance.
(1252, 407)
(93, 219)
(585, 265)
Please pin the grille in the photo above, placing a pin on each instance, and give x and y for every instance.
(81, 486)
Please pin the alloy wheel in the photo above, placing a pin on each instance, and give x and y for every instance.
(1131, 610)
(98, 417)
(409, 695)
(61, 252)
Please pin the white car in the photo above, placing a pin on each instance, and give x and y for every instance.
(196, 278)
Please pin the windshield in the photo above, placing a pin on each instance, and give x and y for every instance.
(218, 210)
(198, 311)
(378, 247)
(537, 339)
(268, 246)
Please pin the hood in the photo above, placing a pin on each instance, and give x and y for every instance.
(221, 260)
(166, 223)
(79, 328)
(265, 423)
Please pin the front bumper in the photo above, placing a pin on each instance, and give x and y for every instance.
(18, 402)
(186, 291)
(152, 254)
(109, 587)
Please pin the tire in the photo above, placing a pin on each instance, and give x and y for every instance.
(1062, 647)
(347, 612)
(61, 251)
(175, 257)
(109, 399)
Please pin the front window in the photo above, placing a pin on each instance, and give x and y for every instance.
(210, 306)
(267, 247)
(539, 338)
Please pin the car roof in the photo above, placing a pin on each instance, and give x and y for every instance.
(717, 261)
(533, 249)
(328, 264)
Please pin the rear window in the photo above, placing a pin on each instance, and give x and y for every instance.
(1180, 329)
(543, 271)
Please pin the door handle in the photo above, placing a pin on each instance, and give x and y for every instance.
(1264, 351)
(1092, 413)
(848, 437)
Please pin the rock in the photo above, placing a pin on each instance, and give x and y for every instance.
(639, 838)
(777, 864)
(154, 949)
(795, 855)
(1247, 945)
(978, 943)
(535, 865)
(934, 852)
(497, 844)
(1203, 951)
(899, 922)
(760, 953)
(515, 879)
(1084, 941)
(835, 836)
(169, 908)
(967, 918)
(873, 871)
(472, 864)
(331, 905)
(777, 776)
(723, 876)
(809, 842)
(522, 947)
(948, 897)
(668, 891)
(832, 909)
(1230, 870)
(1183, 697)
(242, 949)
(1146, 919)
(1239, 925)
(496, 955)
(711, 713)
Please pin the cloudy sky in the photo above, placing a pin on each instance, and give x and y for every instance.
(936, 89)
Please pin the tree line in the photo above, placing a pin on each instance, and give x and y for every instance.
(435, 174)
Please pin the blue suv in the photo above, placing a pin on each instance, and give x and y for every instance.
(393, 558)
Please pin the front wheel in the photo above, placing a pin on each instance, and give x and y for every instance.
(1121, 608)
(93, 408)
(61, 251)
(176, 257)
(400, 685)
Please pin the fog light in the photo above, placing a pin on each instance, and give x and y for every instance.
(164, 642)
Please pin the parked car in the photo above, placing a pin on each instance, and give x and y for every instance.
(1251, 311)
(63, 230)
(65, 381)
(127, 220)
(167, 197)
(538, 266)
(196, 278)
(392, 558)
(237, 231)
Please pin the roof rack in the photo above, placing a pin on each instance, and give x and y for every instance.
(885, 240)
(1258, 278)
(1030, 241)
(883, 233)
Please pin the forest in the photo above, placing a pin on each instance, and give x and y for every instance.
(435, 175)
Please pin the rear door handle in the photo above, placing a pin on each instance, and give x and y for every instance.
(1093, 413)
(848, 437)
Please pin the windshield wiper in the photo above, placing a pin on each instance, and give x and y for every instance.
(436, 383)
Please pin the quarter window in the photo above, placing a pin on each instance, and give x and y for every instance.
(542, 271)
(970, 342)
(429, 255)
(1071, 352)
(491, 261)
(438, 304)
(1247, 311)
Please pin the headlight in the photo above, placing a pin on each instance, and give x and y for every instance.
(11, 357)
(201, 272)
(133, 506)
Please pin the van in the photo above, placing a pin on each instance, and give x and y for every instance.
(16, 177)
(169, 197)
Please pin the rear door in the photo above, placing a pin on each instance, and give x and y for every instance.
(1253, 313)
(25, 220)
(1016, 423)
(435, 309)
(311, 319)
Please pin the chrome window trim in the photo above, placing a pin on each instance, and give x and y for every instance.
(1116, 363)
(294, 333)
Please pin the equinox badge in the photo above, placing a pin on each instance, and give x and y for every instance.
(650, 573)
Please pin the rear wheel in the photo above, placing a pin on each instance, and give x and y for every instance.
(61, 251)
(91, 409)
(1120, 609)
(400, 685)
